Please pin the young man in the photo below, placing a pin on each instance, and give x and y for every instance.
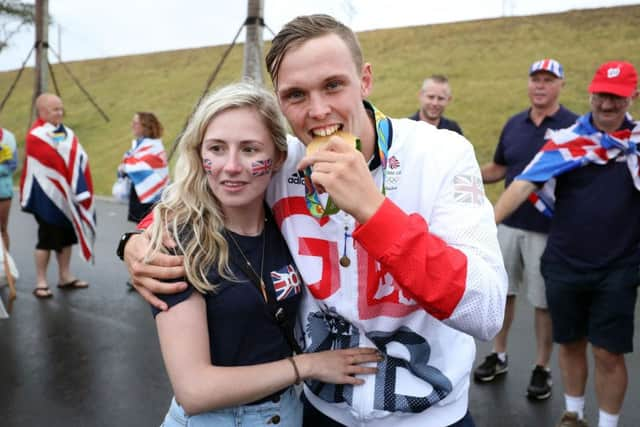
(417, 274)
(56, 188)
(523, 235)
(434, 96)
(590, 264)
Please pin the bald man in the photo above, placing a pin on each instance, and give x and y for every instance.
(56, 188)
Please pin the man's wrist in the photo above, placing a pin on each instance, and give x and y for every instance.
(123, 242)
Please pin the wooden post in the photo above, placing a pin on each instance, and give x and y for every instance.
(252, 65)
(41, 46)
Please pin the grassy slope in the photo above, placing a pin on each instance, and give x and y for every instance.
(486, 62)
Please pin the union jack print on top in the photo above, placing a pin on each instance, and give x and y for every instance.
(285, 282)
(468, 189)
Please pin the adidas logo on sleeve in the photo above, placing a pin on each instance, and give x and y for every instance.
(296, 178)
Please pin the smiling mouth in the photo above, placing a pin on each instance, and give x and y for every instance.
(325, 131)
(233, 184)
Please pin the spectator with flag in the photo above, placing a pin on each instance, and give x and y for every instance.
(590, 263)
(8, 165)
(145, 164)
(56, 188)
(523, 235)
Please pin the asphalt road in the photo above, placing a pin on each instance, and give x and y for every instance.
(91, 357)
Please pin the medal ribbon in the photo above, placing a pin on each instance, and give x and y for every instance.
(311, 196)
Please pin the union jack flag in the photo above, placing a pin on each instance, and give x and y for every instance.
(468, 189)
(56, 183)
(285, 282)
(146, 165)
(574, 147)
(261, 167)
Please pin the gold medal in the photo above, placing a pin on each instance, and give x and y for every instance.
(345, 261)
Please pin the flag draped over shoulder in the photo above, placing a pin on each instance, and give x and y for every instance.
(56, 182)
(146, 165)
(574, 147)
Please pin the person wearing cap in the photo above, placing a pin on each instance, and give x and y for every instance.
(523, 235)
(434, 96)
(590, 263)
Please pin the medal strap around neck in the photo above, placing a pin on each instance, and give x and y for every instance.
(383, 133)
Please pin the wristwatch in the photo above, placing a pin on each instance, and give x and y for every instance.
(123, 242)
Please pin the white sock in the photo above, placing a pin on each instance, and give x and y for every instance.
(606, 419)
(502, 356)
(575, 404)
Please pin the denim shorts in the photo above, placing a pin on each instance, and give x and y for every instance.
(598, 305)
(286, 412)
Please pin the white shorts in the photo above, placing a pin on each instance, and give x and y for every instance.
(521, 251)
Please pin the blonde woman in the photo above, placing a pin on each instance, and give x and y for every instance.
(228, 354)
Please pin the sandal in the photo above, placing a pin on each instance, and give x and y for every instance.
(42, 293)
(74, 284)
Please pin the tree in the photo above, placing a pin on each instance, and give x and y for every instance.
(14, 15)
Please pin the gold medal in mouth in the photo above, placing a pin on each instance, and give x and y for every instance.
(320, 141)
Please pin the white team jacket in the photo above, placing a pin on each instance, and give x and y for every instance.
(426, 276)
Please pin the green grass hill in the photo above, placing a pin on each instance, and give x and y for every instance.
(486, 61)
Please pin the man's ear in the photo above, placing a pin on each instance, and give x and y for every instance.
(366, 80)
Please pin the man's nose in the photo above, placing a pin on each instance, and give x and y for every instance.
(319, 107)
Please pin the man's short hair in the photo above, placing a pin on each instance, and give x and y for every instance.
(304, 28)
(436, 78)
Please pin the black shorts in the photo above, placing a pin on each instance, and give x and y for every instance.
(53, 237)
(598, 305)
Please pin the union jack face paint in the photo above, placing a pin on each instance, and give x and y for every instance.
(261, 167)
(206, 164)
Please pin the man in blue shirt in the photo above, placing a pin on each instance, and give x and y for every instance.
(434, 96)
(590, 264)
(523, 235)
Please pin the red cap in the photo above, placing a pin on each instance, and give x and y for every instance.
(616, 77)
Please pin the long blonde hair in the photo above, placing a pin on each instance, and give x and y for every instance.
(188, 211)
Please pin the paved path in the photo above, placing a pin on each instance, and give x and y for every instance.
(91, 357)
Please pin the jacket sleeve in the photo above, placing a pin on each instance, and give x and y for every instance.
(451, 264)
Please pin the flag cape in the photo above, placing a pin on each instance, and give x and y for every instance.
(146, 166)
(56, 183)
(577, 146)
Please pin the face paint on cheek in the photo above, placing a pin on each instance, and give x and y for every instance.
(261, 167)
(206, 164)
